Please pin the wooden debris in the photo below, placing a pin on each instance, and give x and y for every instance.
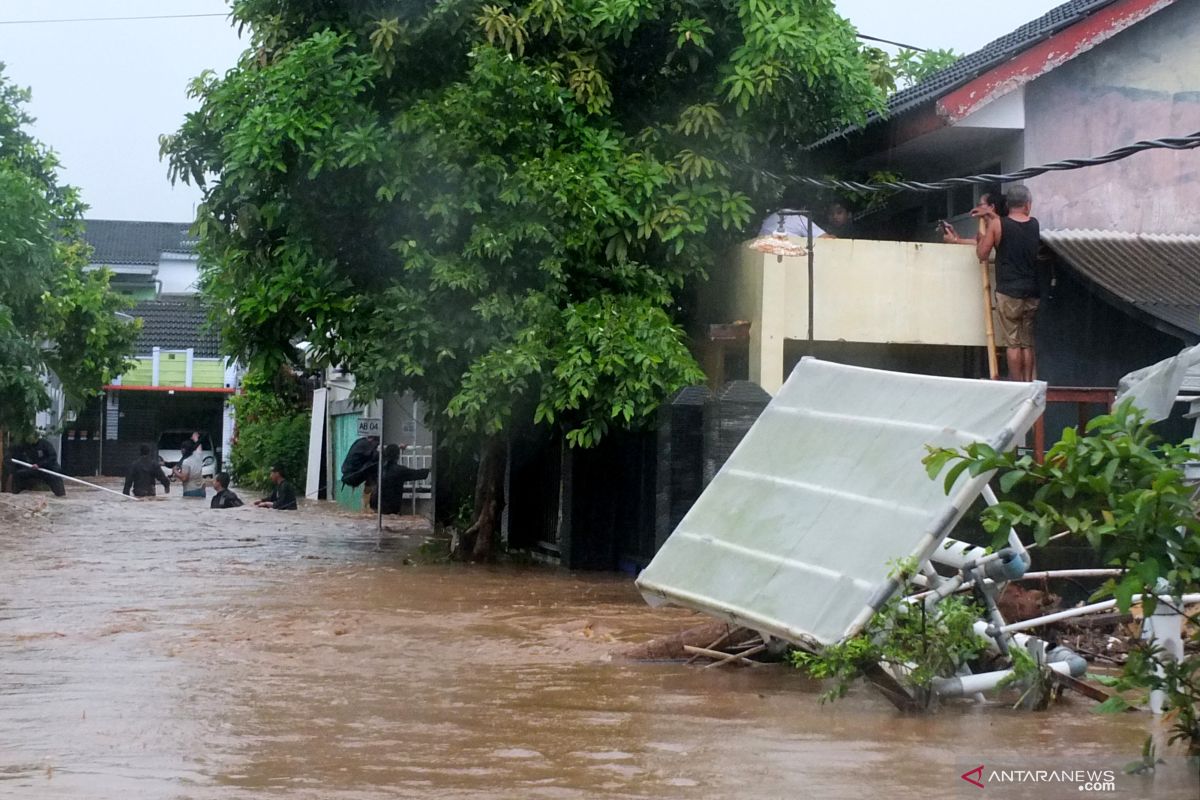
(725, 658)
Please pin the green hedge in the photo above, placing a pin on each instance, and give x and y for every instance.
(270, 430)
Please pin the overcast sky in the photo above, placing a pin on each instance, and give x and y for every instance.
(104, 91)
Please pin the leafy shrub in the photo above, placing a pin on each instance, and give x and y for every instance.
(271, 429)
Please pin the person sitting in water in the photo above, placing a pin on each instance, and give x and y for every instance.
(224, 498)
(282, 497)
(41, 454)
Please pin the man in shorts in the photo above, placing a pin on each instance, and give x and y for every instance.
(1016, 238)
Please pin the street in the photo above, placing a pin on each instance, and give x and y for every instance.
(163, 650)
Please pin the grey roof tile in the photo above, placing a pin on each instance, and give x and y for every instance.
(176, 324)
(975, 64)
(120, 242)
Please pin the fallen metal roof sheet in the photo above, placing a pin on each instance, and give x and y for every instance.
(1158, 274)
(799, 532)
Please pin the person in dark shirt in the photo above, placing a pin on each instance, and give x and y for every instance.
(144, 473)
(282, 497)
(41, 454)
(839, 219)
(395, 475)
(1016, 238)
(224, 498)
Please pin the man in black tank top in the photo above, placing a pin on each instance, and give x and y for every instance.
(1016, 239)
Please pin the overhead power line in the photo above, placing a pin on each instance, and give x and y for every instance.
(104, 19)
(50, 21)
(889, 41)
(1188, 142)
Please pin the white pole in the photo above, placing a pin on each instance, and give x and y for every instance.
(379, 475)
(1070, 573)
(1104, 605)
(74, 480)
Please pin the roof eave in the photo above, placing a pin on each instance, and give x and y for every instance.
(1045, 56)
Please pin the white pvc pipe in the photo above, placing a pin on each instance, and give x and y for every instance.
(1104, 605)
(1049, 573)
(984, 681)
(74, 480)
(1071, 573)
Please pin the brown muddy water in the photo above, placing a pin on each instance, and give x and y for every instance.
(163, 650)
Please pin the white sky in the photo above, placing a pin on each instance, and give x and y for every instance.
(104, 91)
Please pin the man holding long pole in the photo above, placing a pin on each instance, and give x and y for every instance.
(1016, 238)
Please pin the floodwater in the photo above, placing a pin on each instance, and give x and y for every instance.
(163, 650)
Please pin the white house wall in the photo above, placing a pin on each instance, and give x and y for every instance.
(178, 274)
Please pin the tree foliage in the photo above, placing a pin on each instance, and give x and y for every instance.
(497, 205)
(1122, 489)
(908, 67)
(272, 428)
(921, 644)
(55, 317)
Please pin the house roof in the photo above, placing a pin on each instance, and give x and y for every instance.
(1157, 275)
(993, 53)
(118, 242)
(176, 323)
(1001, 51)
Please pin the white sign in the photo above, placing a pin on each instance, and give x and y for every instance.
(370, 426)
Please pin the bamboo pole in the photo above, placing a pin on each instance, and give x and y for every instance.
(721, 658)
(988, 323)
(75, 480)
(712, 646)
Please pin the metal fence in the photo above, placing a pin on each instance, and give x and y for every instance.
(419, 457)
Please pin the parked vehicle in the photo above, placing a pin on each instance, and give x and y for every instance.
(169, 443)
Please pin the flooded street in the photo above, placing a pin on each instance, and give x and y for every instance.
(163, 650)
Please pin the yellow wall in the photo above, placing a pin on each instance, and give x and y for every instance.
(141, 374)
(864, 291)
(172, 369)
(207, 373)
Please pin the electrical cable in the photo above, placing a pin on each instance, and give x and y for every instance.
(1189, 142)
(104, 19)
(889, 41)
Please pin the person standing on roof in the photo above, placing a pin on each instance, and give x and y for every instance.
(1016, 238)
(144, 473)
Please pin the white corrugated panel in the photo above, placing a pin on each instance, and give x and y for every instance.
(1154, 388)
(797, 534)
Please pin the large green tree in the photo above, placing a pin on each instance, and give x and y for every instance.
(55, 317)
(498, 205)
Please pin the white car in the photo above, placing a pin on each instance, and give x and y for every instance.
(170, 454)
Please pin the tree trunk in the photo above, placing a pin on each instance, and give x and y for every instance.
(478, 542)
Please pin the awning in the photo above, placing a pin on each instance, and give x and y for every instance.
(1155, 275)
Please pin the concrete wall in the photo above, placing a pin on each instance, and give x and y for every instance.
(864, 291)
(1143, 83)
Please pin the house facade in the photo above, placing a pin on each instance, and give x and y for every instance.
(180, 380)
(1121, 240)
